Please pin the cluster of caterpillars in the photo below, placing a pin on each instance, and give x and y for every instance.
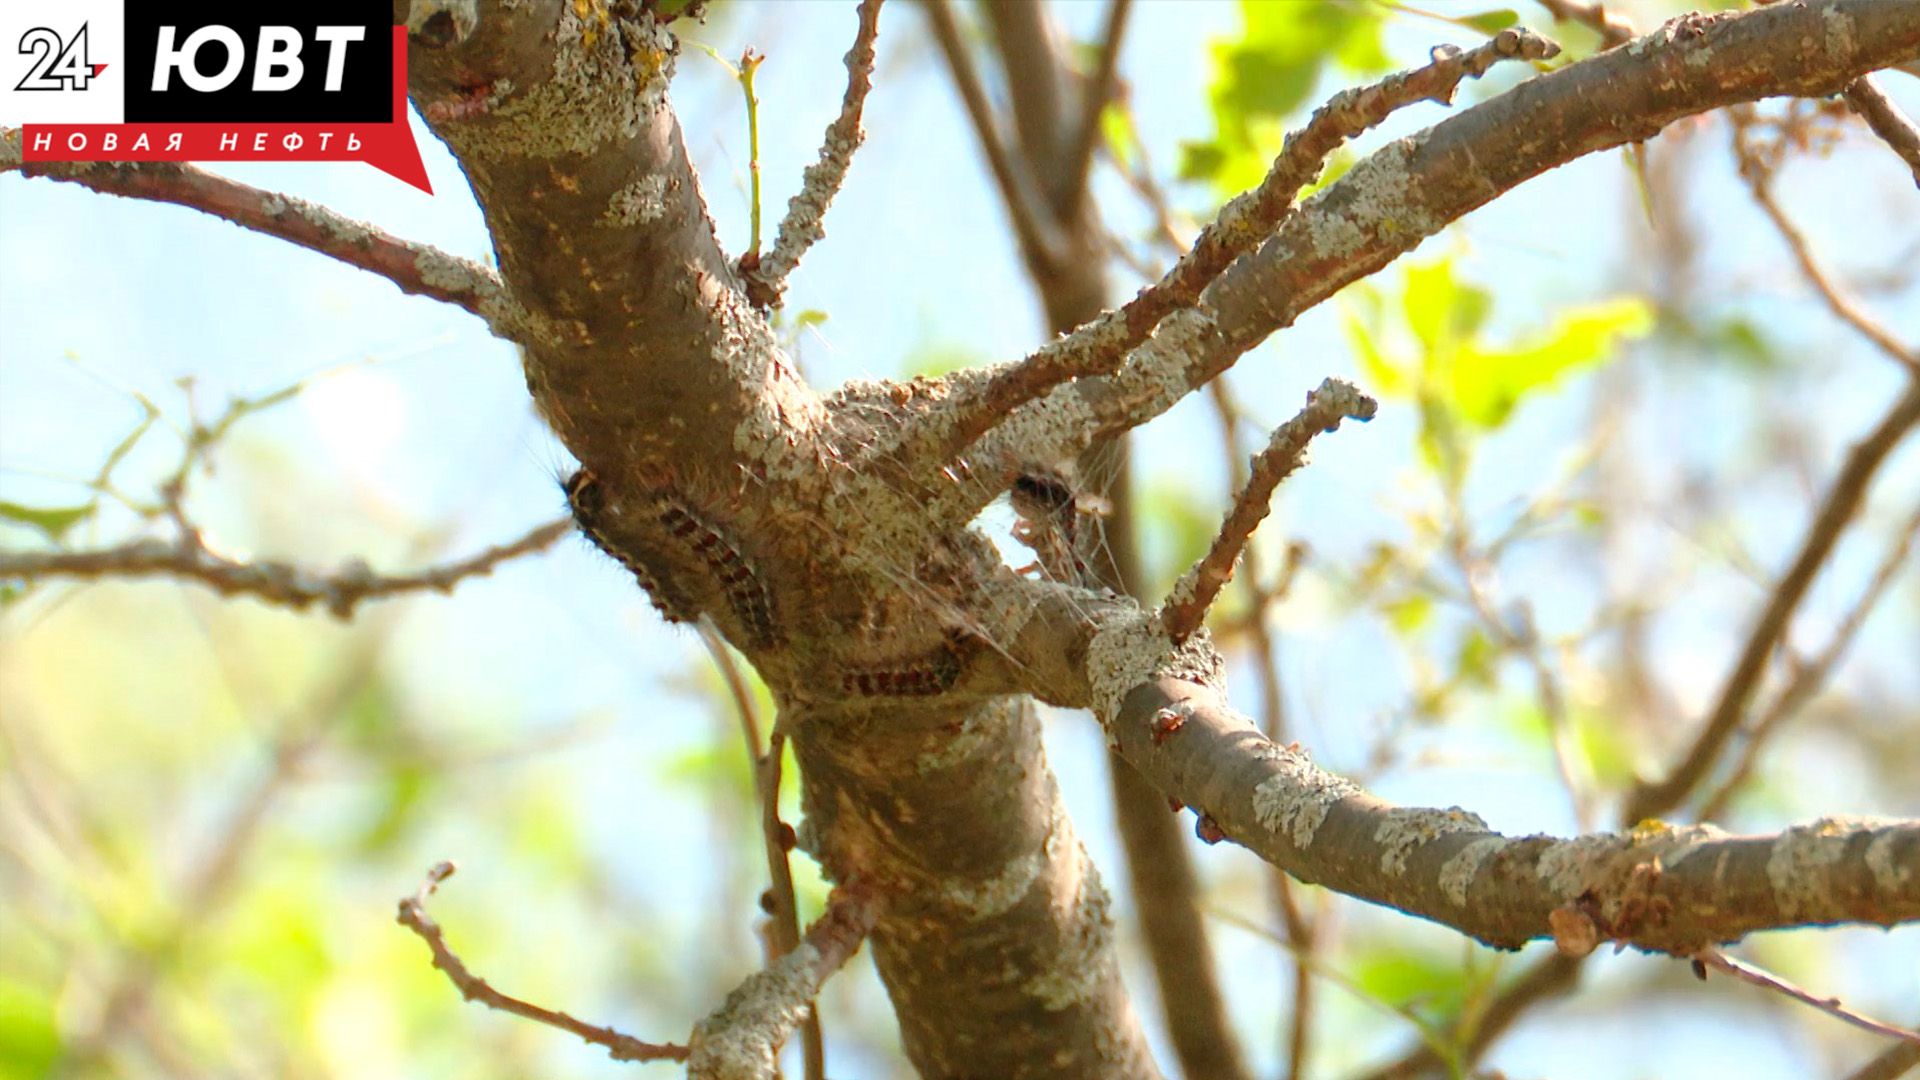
(740, 586)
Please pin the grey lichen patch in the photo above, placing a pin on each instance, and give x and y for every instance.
(1800, 862)
(1838, 31)
(1889, 876)
(1403, 830)
(639, 203)
(1569, 868)
(464, 14)
(1051, 428)
(1074, 972)
(1132, 648)
(603, 88)
(1674, 844)
(1294, 802)
(1457, 873)
(985, 899)
(1160, 371)
(739, 1039)
(975, 733)
(1376, 196)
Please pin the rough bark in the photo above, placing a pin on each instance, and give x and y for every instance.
(838, 560)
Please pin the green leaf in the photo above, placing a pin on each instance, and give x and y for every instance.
(1268, 74)
(1117, 130)
(1488, 383)
(54, 521)
(1409, 613)
(809, 317)
(1474, 663)
(1492, 22)
(29, 1033)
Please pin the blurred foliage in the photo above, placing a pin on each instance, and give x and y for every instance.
(1267, 73)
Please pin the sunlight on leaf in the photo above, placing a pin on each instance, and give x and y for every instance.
(1268, 74)
(29, 1036)
(53, 521)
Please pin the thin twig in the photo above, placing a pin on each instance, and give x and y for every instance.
(776, 835)
(1098, 92)
(1887, 121)
(1613, 29)
(1719, 961)
(1843, 499)
(1036, 231)
(415, 268)
(743, 1036)
(1809, 677)
(281, 583)
(1893, 1063)
(1100, 346)
(802, 228)
(1334, 401)
(413, 915)
(1759, 179)
(1302, 933)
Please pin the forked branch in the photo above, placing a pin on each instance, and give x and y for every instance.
(1099, 347)
(1186, 607)
(417, 269)
(621, 1047)
(742, 1038)
(188, 559)
(802, 227)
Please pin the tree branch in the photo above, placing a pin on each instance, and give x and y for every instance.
(413, 915)
(1095, 96)
(1101, 346)
(741, 1039)
(1037, 234)
(1186, 606)
(1809, 677)
(1412, 188)
(1758, 174)
(417, 269)
(1721, 962)
(273, 582)
(1656, 887)
(1654, 798)
(1887, 121)
(802, 227)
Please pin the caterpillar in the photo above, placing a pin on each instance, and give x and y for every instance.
(931, 675)
(745, 593)
(588, 504)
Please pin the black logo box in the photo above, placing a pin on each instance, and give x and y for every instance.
(366, 86)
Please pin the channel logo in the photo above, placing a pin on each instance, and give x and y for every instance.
(209, 80)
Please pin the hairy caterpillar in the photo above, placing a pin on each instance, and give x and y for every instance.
(1049, 509)
(933, 674)
(588, 504)
(742, 587)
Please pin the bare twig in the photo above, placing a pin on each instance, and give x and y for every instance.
(1887, 121)
(1095, 95)
(1759, 176)
(1036, 232)
(743, 1036)
(776, 835)
(1809, 677)
(1334, 401)
(1613, 29)
(413, 915)
(802, 228)
(281, 583)
(415, 268)
(1301, 930)
(1711, 957)
(1843, 498)
(1101, 345)
(1892, 1064)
